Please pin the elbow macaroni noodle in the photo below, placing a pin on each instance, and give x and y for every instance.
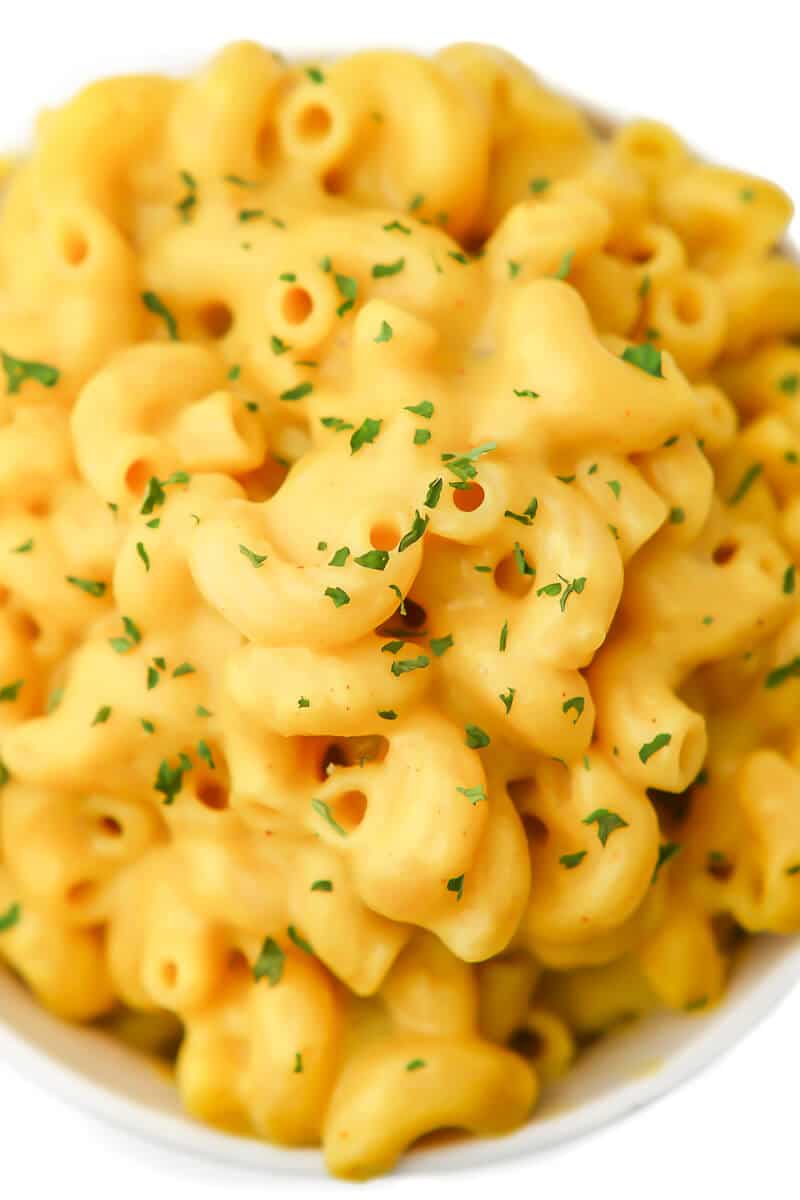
(399, 647)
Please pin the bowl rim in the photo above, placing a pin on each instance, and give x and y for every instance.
(732, 1020)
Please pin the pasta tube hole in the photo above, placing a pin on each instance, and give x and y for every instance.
(137, 475)
(719, 866)
(384, 536)
(335, 181)
(725, 553)
(81, 892)
(212, 794)
(169, 973)
(528, 1043)
(109, 826)
(688, 305)
(353, 752)
(509, 578)
(297, 305)
(237, 963)
(536, 831)
(313, 123)
(215, 318)
(349, 810)
(468, 499)
(74, 247)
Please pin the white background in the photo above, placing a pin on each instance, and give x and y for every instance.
(725, 74)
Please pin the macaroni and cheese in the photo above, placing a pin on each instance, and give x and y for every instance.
(399, 640)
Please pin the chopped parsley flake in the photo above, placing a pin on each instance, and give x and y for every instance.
(422, 437)
(789, 580)
(338, 596)
(335, 423)
(418, 527)
(569, 586)
(387, 714)
(143, 555)
(416, 1063)
(570, 861)
(187, 203)
(473, 794)
(298, 1063)
(322, 885)
(348, 287)
(523, 566)
(503, 636)
(381, 270)
(650, 748)
(156, 306)
(401, 666)
(433, 493)
(320, 807)
(441, 645)
(10, 917)
(92, 587)
(373, 560)
(423, 409)
(514, 268)
(255, 560)
(565, 266)
(299, 941)
(169, 780)
(315, 75)
(279, 346)
(102, 715)
(575, 703)
(541, 184)
(746, 482)
(367, 431)
(11, 691)
(666, 851)
(146, 725)
(456, 884)
(477, 738)
(385, 334)
(19, 369)
(396, 225)
(298, 392)
(615, 486)
(677, 516)
(525, 518)
(646, 357)
(507, 699)
(462, 465)
(23, 547)
(607, 822)
(269, 964)
(779, 675)
(340, 557)
(789, 384)
(526, 392)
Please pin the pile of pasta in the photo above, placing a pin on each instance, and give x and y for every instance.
(399, 641)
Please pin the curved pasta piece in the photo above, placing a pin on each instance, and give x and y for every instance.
(580, 897)
(379, 1106)
(156, 409)
(64, 967)
(429, 990)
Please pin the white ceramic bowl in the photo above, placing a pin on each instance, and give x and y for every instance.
(621, 1073)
